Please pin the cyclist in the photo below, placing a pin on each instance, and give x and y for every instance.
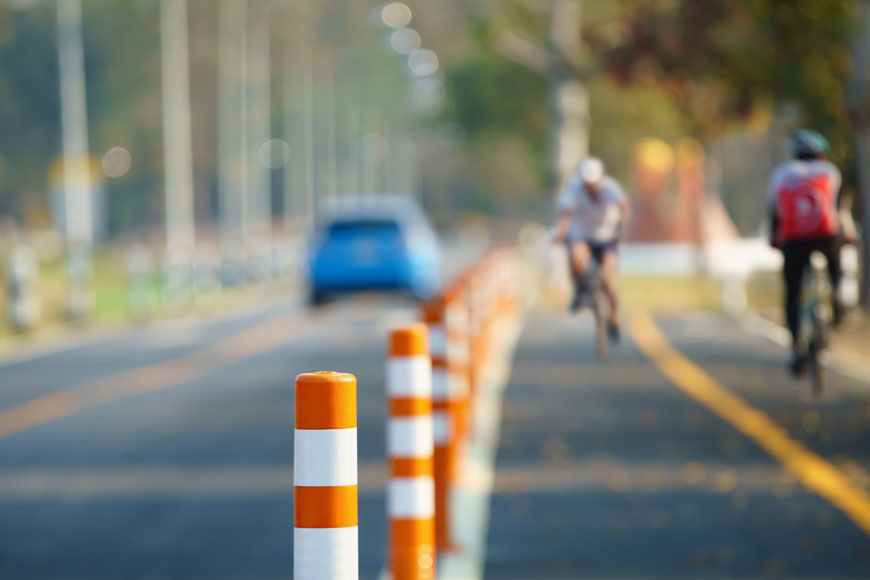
(803, 200)
(592, 209)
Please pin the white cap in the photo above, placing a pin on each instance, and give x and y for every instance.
(591, 170)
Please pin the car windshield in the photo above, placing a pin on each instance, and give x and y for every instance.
(370, 227)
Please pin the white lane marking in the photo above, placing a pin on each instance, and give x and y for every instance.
(850, 365)
(60, 338)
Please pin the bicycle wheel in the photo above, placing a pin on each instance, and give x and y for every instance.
(601, 310)
(816, 344)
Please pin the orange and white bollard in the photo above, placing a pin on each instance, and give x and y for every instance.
(325, 535)
(458, 367)
(443, 423)
(411, 491)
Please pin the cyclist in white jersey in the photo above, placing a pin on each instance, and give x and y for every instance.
(592, 210)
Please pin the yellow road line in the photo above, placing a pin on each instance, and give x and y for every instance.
(812, 470)
(155, 377)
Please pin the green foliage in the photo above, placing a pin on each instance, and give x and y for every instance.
(494, 99)
(122, 47)
(620, 118)
(722, 59)
(29, 107)
(122, 51)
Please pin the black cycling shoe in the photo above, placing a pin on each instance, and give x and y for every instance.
(581, 290)
(576, 301)
(798, 364)
(838, 315)
(613, 332)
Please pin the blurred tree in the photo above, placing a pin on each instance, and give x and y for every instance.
(723, 59)
(29, 109)
(123, 76)
(506, 88)
(492, 98)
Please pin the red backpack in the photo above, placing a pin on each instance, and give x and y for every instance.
(807, 207)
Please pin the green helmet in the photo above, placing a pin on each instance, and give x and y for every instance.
(809, 144)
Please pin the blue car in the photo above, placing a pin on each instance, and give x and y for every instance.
(373, 243)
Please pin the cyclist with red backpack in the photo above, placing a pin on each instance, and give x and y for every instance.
(804, 197)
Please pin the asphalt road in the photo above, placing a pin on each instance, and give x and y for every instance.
(613, 471)
(166, 452)
(192, 480)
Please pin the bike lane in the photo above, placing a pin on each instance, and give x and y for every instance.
(611, 470)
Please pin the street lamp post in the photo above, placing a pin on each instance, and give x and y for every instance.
(78, 203)
(178, 162)
(231, 170)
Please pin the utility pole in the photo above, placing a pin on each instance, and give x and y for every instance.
(78, 202)
(332, 142)
(259, 122)
(231, 182)
(859, 107)
(354, 160)
(177, 149)
(570, 101)
(310, 167)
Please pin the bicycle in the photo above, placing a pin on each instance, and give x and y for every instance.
(593, 295)
(816, 318)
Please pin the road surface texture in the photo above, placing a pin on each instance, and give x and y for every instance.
(166, 452)
(194, 479)
(616, 470)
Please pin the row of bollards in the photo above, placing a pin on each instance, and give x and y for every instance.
(433, 371)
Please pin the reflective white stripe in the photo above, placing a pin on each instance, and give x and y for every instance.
(440, 388)
(457, 315)
(410, 436)
(441, 427)
(437, 340)
(457, 385)
(411, 497)
(325, 457)
(409, 376)
(326, 553)
(457, 351)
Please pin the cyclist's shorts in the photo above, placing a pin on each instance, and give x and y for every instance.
(599, 249)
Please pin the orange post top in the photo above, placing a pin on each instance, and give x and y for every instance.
(454, 291)
(410, 340)
(433, 311)
(325, 400)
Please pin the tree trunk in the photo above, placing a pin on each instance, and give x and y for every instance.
(862, 154)
(859, 105)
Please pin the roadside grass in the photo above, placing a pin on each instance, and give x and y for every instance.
(111, 299)
(653, 293)
(108, 286)
(675, 294)
(671, 293)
